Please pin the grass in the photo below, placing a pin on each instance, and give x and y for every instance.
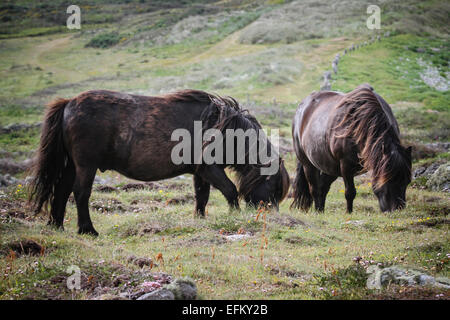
(285, 255)
(295, 262)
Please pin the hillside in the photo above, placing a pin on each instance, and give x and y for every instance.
(269, 55)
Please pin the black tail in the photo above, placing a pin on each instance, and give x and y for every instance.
(302, 196)
(51, 158)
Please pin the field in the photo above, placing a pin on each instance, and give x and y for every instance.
(262, 54)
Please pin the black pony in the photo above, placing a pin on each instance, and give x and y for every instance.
(131, 134)
(338, 134)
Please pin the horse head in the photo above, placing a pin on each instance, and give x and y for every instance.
(268, 190)
(390, 187)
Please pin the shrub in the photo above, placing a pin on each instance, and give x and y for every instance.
(104, 40)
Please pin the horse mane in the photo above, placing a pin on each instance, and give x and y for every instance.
(368, 125)
(224, 113)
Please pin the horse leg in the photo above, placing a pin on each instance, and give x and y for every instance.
(313, 177)
(62, 192)
(350, 190)
(216, 176)
(82, 191)
(201, 195)
(325, 184)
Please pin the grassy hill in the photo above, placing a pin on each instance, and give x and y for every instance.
(269, 55)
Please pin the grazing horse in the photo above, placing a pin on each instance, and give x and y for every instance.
(131, 134)
(337, 134)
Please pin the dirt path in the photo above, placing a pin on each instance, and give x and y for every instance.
(40, 51)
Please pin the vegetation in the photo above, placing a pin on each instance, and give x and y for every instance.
(159, 46)
(104, 40)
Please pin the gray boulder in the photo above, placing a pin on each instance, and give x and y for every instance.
(334, 66)
(183, 289)
(382, 277)
(440, 179)
(7, 180)
(160, 294)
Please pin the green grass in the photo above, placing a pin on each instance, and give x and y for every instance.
(294, 263)
(395, 73)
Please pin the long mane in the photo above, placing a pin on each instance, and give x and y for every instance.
(376, 135)
(224, 113)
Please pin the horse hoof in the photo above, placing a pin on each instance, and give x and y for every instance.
(89, 231)
(55, 225)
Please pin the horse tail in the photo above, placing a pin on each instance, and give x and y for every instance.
(51, 158)
(302, 196)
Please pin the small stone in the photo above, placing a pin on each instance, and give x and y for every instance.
(235, 237)
(356, 222)
(108, 296)
(183, 289)
(440, 179)
(382, 277)
(160, 294)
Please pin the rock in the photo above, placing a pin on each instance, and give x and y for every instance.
(160, 294)
(432, 77)
(440, 179)
(334, 66)
(286, 220)
(108, 296)
(19, 126)
(326, 86)
(426, 171)
(439, 146)
(141, 262)
(355, 222)
(183, 289)
(235, 237)
(418, 172)
(7, 180)
(327, 75)
(382, 277)
(12, 167)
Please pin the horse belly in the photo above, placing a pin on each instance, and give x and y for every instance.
(316, 147)
(155, 167)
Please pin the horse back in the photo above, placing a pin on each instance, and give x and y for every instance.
(127, 133)
(311, 129)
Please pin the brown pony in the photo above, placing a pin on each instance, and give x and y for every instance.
(338, 134)
(131, 134)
